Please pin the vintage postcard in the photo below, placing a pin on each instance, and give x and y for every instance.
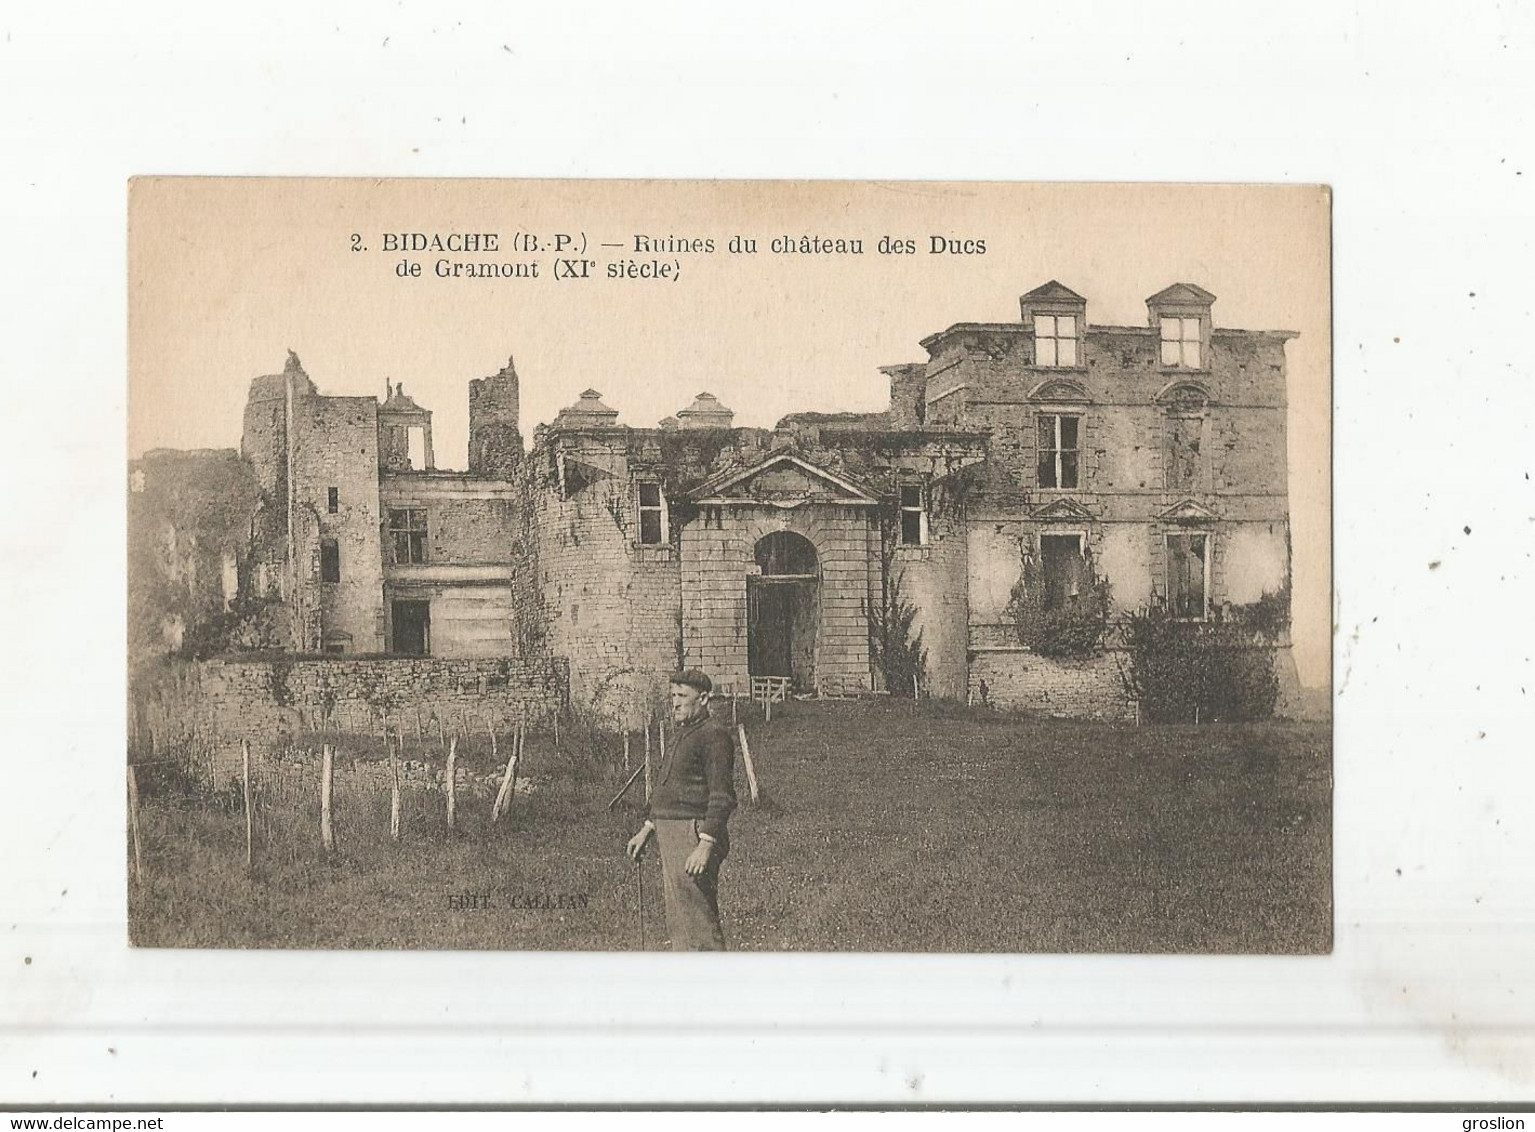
(809, 566)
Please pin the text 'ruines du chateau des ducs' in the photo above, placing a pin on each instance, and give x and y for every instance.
(572, 257)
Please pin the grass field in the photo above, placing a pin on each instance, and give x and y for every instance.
(884, 829)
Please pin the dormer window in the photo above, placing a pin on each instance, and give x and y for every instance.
(1181, 338)
(1055, 340)
(1180, 314)
(1056, 317)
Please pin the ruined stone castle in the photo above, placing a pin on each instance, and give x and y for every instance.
(1047, 452)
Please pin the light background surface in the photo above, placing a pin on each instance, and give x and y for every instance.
(1419, 121)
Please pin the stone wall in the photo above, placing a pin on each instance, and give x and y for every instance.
(262, 697)
(609, 603)
(1017, 679)
(933, 577)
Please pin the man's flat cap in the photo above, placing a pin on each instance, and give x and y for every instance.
(692, 678)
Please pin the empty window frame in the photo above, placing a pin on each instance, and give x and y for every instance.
(1188, 576)
(652, 514)
(407, 534)
(1059, 455)
(1064, 567)
(1181, 339)
(1055, 339)
(330, 560)
(332, 499)
(913, 515)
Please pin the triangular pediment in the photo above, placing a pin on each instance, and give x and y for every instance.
(575, 475)
(1053, 292)
(1182, 294)
(781, 480)
(1062, 509)
(1187, 512)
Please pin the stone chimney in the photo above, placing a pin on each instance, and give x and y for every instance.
(705, 412)
(588, 412)
(908, 394)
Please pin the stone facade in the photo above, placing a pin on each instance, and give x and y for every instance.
(260, 697)
(1165, 445)
(1046, 452)
(1013, 677)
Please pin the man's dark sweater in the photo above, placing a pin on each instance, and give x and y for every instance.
(697, 780)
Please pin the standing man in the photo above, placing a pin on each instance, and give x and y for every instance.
(690, 803)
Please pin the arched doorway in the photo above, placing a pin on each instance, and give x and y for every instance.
(783, 609)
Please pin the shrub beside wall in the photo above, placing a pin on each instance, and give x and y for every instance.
(1198, 671)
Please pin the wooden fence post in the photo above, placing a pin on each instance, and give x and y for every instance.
(452, 785)
(394, 794)
(495, 805)
(522, 752)
(626, 749)
(133, 821)
(327, 834)
(503, 801)
(647, 760)
(746, 757)
(245, 768)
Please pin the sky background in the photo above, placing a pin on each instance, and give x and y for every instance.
(225, 276)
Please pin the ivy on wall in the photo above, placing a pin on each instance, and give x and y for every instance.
(1074, 629)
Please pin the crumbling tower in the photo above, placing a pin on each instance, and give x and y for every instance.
(495, 444)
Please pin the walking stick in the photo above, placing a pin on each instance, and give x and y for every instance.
(639, 886)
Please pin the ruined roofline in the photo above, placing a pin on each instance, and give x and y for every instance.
(1215, 331)
(438, 473)
(971, 328)
(188, 454)
(544, 433)
(1092, 328)
(813, 417)
(898, 436)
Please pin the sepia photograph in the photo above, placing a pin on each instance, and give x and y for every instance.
(803, 566)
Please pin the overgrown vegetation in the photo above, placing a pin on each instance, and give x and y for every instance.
(1201, 671)
(895, 643)
(1072, 629)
